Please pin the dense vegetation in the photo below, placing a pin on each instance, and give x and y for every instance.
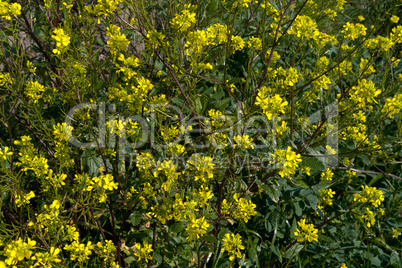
(200, 133)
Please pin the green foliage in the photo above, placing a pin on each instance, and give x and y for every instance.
(224, 134)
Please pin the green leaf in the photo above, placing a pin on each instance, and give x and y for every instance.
(253, 254)
(313, 163)
(135, 218)
(293, 251)
(276, 251)
(177, 227)
(298, 209)
(129, 259)
(210, 238)
(271, 191)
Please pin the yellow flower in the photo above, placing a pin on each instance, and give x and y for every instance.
(47, 259)
(16, 251)
(155, 39)
(396, 232)
(370, 195)
(343, 265)
(233, 245)
(79, 252)
(34, 91)
(183, 21)
(196, 228)
(23, 199)
(254, 43)
(271, 106)
(327, 175)
(62, 40)
(243, 142)
(393, 106)
(143, 251)
(287, 161)
(243, 209)
(7, 10)
(326, 196)
(369, 216)
(117, 41)
(5, 153)
(237, 43)
(394, 19)
(306, 170)
(204, 166)
(307, 232)
(353, 31)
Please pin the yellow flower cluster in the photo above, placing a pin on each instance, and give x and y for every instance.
(254, 43)
(47, 259)
(143, 251)
(281, 129)
(155, 38)
(196, 228)
(326, 196)
(370, 195)
(330, 13)
(364, 93)
(79, 251)
(396, 34)
(353, 31)
(61, 134)
(127, 65)
(233, 245)
(8, 11)
(23, 199)
(181, 22)
(396, 232)
(145, 161)
(117, 41)
(106, 250)
(5, 79)
(28, 158)
(101, 185)
(394, 19)
(322, 83)
(196, 41)
(70, 233)
(103, 8)
(291, 76)
(393, 106)
(304, 26)
(286, 161)
(243, 142)
(307, 232)
(168, 169)
(18, 250)
(270, 10)
(133, 95)
(202, 196)
(49, 219)
(369, 216)
(272, 106)
(217, 34)
(380, 42)
(204, 167)
(184, 208)
(240, 208)
(327, 175)
(237, 43)
(62, 40)
(34, 90)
